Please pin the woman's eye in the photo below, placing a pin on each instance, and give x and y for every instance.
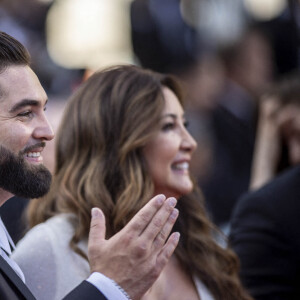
(168, 126)
(186, 124)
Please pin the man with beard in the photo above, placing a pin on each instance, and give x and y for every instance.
(32, 180)
(133, 258)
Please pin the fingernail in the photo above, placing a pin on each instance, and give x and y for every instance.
(174, 213)
(160, 199)
(176, 236)
(172, 202)
(95, 212)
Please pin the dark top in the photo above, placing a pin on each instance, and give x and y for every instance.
(265, 234)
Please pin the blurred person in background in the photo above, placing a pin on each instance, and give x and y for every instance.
(27, 24)
(248, 71)
(277, 145)
(265, 223)
(283, 32)
(123, 138)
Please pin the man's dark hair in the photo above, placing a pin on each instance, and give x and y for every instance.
(12, 52)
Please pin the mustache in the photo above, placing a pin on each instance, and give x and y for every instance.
(32, 147)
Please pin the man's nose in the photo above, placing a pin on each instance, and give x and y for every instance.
(43, 130)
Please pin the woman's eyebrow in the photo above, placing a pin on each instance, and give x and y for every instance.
(173, 116)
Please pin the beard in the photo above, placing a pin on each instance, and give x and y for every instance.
(21, 178)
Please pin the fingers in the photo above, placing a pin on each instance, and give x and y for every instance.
(162, 236)
(97, 229)
(167, 251)
(141, 220)
(269, 106)
(159, 220)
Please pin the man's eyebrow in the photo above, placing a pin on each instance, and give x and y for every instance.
(25, 102)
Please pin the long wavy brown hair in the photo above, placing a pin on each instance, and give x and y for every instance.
(99, 162)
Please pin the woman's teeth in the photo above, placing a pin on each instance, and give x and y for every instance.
(181, 166)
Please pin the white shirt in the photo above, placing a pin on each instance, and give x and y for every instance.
(6, 244)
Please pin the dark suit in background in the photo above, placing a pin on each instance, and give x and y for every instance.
(265, 234)
(233, 145)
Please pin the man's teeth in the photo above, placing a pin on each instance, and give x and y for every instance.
(33, 154)
(181, 166)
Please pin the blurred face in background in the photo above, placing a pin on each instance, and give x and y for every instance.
(254, 64)
(168, 153)
(203, 83)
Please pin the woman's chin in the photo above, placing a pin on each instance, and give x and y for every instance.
(179, 192)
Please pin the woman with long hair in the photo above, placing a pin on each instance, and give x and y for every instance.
(122, 140)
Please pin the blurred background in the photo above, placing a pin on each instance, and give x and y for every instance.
(226, 53)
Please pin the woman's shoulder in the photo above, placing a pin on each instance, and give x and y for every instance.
(55, 225)
(45, 256)
(54, 233)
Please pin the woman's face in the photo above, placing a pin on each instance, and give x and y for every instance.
(169, 152)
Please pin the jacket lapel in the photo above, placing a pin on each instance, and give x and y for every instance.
(14, 280)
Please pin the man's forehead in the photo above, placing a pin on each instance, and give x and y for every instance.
(9, 78)
(20, 82)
